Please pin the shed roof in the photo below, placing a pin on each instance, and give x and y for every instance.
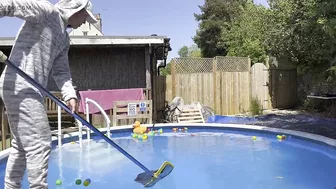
(87, 41)
(102, 40)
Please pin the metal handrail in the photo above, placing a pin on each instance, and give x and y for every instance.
(107, 119)
(80, 125)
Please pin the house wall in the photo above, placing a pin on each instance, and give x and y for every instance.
(87, 28)
(102, 68)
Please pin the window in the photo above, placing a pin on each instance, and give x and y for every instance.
(85, 33)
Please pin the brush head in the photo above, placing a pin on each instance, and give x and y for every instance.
(3, 57)
(149, 179)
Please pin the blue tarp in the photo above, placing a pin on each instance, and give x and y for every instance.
(231, 119)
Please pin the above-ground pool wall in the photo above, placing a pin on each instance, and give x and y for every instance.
(101, 67)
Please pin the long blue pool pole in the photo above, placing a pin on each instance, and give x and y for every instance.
(3, 59)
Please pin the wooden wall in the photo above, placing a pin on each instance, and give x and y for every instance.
(106, 68)
(283, 88)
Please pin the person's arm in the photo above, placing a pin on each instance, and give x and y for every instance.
(62, 75)
(29, 10)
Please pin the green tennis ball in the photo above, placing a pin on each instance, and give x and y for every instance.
(78, 181)
(87, 182)
(58, 182)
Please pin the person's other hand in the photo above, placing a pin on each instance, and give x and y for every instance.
(72, 104)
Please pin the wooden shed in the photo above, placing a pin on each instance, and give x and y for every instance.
(113, 62)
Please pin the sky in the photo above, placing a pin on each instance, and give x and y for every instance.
(173, 18)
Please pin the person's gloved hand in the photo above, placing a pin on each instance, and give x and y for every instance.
(72, 104)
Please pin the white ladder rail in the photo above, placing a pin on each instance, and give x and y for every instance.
(80, 125)
(107, 119)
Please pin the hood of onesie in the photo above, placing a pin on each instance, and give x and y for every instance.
(70, 7)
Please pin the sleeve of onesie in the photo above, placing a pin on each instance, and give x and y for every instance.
(62, 75)
(29, 10)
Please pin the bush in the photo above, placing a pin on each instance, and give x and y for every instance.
(256, 107)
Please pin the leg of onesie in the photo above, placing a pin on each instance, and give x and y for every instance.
(30, 128)
(16, 165)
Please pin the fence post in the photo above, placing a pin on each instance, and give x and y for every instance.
(250, 82)
(269, 84)
(214, 71)
(173, 74)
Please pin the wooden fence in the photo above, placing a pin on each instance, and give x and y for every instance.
(227, 84)
(283, 87)
(121, 109)
(222, 83)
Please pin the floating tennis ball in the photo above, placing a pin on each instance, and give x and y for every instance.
(78, 181)
(87, 182)
(58, 182)
(254, 137)
(151, 133)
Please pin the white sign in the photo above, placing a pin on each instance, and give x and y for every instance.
(142, 106)
(131, 109)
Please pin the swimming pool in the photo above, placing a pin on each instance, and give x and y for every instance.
(208, 156)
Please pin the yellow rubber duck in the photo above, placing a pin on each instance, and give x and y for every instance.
(137, 129)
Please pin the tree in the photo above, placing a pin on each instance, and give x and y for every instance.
(167, 70)
(191, 51)
(194, 51)
(214, 21)
(299, 33)
(247, 34)
(183, 51)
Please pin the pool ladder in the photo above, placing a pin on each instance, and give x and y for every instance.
(80, 125)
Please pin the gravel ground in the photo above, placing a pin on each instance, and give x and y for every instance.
(298, 120)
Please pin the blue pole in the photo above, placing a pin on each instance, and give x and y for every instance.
(67, 109)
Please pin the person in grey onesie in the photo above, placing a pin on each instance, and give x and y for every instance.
(41, 49)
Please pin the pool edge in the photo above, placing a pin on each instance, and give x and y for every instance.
(314, 137)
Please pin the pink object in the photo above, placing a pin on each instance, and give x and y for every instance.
(105, 98)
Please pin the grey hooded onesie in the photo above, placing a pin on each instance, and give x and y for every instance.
(41, 48)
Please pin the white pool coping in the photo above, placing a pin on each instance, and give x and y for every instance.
(305, 135)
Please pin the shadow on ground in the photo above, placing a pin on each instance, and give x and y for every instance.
(297, 122)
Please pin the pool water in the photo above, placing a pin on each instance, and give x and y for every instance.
(203, 158)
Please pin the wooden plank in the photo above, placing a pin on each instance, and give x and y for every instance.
(193, 116)
(192, 121)
(120, 116)
(169, 88)
(214, 64)
(138, 116)
(190, 117)
(259, 84)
